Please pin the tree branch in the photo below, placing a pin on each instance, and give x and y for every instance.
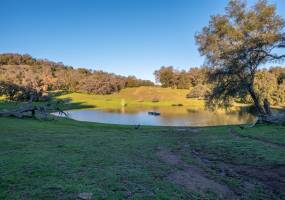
(266, 54)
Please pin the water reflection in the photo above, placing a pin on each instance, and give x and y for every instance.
(177, 116)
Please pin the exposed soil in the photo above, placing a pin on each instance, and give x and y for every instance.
(271, 177)
(193, 178)
(168, 157)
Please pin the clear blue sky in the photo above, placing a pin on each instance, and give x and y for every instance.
(128, 37)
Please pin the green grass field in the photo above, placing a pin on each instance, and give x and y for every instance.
(63, 158)
(67, 159)
(134, 97)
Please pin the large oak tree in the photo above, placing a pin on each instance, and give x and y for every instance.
(236, 44)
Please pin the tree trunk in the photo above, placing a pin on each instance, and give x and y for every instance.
(264, 111)
(266, 106)
(254, 97)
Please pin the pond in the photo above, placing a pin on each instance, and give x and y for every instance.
(175, 116)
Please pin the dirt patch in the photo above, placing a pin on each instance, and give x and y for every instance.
(168, 157)
(192, 177)
(271, 177)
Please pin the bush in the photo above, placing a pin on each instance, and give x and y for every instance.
(199, 91)
(155, 100)
(179, 104)
(15, 92)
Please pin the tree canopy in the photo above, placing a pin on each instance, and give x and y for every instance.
(236, 44)
(180, 79)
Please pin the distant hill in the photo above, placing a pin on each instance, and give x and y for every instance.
(44, 75)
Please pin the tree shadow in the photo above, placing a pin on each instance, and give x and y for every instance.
(279, 109)
(55, 94)
(67, 104)
(52, 101)
(6, 105)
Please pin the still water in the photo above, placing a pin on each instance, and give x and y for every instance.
(168, 117)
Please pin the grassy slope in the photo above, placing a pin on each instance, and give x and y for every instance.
(133, 97)
(60, 159)
(142, 97)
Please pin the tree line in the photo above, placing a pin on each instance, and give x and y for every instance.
(268, 83)
(22, 76)
(41, 75)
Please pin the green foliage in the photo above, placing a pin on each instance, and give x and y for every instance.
(269, 85)
(166, 76)
(199, 91)
(198, 76)
(265, 84)
(132, 81)
(170, 77)
(183, 81)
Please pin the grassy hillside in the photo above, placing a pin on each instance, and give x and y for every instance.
(63, 159)
(139, 96)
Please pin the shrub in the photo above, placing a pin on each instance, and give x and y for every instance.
(199, 91)
(14, 92)
(179, 104)
(155, 100)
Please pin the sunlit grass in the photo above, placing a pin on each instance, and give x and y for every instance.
(141, 96)
(62, 158)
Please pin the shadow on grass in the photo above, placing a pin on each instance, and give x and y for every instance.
(52, 101)
(55, 94)
(280, 109)
(67, 104)
(6, 105)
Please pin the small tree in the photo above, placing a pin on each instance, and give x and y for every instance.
(182, 80)
(166, 76)
(236, 44)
